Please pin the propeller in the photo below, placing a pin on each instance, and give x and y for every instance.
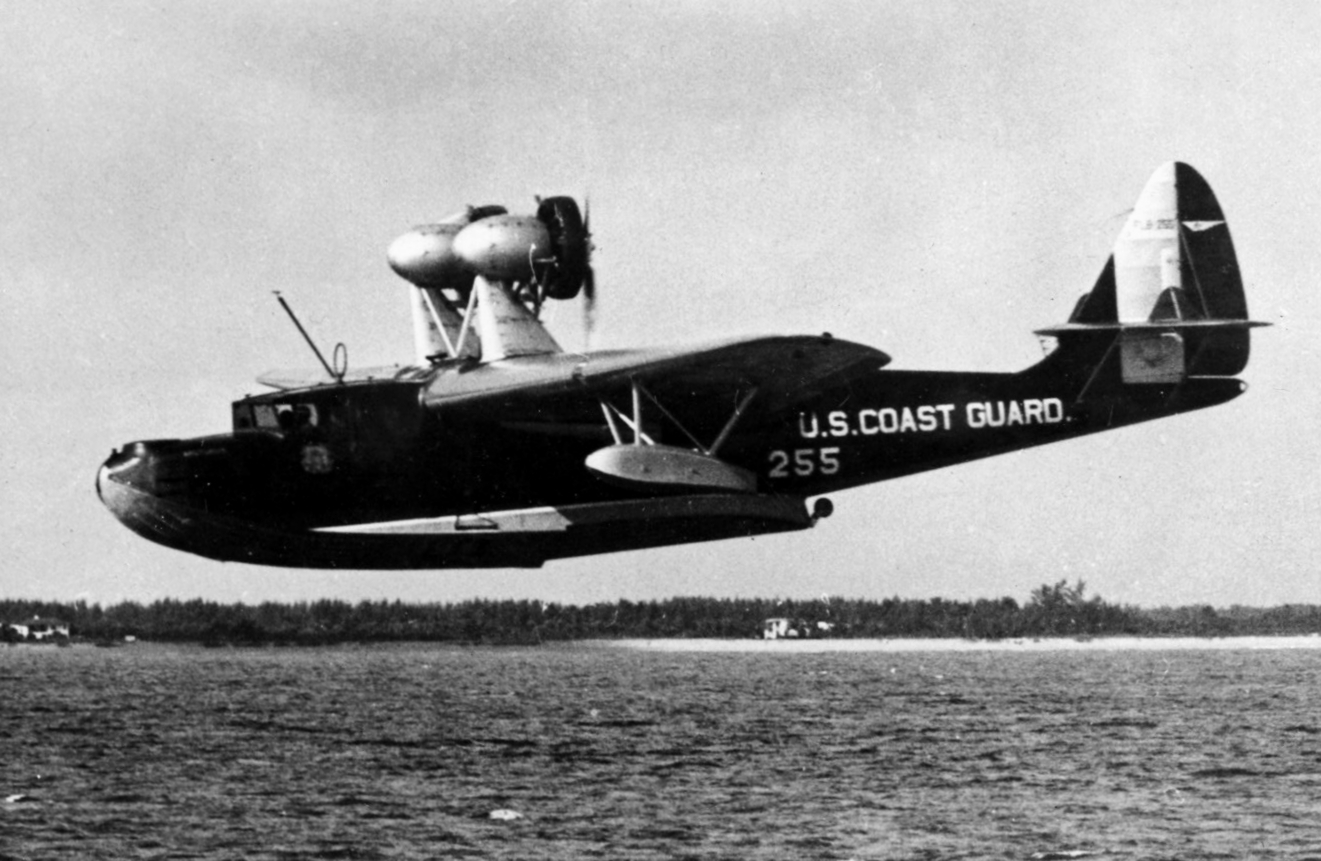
(589, 276)
(570, 272)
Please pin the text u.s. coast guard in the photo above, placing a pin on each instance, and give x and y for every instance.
(926, 418)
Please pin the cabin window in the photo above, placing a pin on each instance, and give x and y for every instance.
(289, 418)
(295, 417)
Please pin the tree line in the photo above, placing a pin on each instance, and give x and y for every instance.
(1054, 610)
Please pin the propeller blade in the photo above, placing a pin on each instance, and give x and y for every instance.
(589, 304)
(589, 274)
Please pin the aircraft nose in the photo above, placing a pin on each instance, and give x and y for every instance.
(142, 481)
(155, 489)
(174, 492)
(145, 466)
(127, 481)
(124, 466)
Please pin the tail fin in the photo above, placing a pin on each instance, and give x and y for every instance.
(1171, 291)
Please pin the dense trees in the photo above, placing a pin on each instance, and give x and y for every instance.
(1053, 610)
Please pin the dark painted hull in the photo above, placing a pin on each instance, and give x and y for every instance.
(580, 530)
(328, 499)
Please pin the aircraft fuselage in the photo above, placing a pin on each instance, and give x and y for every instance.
(302, 469)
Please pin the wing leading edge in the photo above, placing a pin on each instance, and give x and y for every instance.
(782, 369)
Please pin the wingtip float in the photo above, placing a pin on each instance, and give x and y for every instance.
(497, 449)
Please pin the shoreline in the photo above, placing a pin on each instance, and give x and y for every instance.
(1043, 644)
(787, 646)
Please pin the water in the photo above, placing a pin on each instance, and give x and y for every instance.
(602, 752)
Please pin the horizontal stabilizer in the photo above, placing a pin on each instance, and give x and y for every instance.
(1171, 288)
(1155, 325)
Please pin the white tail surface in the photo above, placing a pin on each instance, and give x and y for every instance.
(1147, 253)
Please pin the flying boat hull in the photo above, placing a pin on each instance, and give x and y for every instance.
(525, 538)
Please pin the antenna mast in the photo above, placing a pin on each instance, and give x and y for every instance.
(337, 377)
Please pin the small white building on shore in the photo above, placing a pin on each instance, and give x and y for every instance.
(39, 629)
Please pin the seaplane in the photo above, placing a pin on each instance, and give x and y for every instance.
(496, 448)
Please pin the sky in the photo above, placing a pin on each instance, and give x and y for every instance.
(935, 179)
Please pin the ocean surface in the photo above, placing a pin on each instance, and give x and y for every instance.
(593, 751)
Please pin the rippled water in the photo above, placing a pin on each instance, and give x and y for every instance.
(404, 752)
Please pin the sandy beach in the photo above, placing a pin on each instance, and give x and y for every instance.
(1055, 644)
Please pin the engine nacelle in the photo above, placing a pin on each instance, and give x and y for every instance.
(504, 247)
(425, 255)
(550, 250)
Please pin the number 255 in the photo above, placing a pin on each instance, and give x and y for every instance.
(804, 462)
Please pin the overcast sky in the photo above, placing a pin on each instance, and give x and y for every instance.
(934, 179)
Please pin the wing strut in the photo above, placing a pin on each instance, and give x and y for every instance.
(646, 465)
(637, 412)
(440, 325)
(467, 321)
(733, 420)
(633, 424)
(608, 412)
(711, 450)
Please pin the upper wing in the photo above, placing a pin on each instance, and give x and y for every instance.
(782, 369)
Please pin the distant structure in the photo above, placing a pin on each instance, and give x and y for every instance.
(780, 628)
(39, 630)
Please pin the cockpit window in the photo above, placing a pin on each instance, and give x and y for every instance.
(288, 418)
(295, 417)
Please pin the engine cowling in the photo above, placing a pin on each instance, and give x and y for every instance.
(550, 251)
(425, 255)
(503, 247)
